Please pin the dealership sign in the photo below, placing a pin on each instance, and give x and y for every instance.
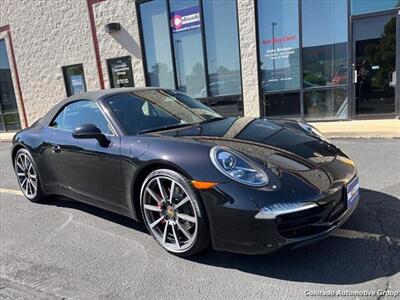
(120, 71)
(280, 57)
(185, 19)
(77, 84)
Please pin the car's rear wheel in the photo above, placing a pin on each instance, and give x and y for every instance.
(28, 176)
(173, 213)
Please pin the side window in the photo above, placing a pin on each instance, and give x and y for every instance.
(79, 113)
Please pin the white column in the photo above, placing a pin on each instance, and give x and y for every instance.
(248, 50)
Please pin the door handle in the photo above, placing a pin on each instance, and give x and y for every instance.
(355, 76)
(56, 148)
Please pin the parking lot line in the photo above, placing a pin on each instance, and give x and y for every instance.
(11, 192)
(354, 234)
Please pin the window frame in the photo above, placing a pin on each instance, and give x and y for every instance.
(66, 81)
(106, 118)
(303, 89)
(205, 56)
(143, 48)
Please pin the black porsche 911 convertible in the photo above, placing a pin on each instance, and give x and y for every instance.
(246, 185)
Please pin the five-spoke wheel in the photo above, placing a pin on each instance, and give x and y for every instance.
(172, 212)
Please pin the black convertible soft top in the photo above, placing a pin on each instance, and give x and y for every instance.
(91, 96)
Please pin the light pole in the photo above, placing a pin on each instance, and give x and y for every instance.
(178, 62)
(273, 24)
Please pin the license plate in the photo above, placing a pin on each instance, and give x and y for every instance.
(353, 193)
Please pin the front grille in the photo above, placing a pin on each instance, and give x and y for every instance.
(314, 220)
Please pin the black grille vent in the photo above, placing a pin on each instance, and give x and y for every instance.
(314, 220)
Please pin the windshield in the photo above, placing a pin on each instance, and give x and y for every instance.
(157, 109)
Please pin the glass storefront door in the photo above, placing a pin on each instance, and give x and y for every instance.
(374, 64)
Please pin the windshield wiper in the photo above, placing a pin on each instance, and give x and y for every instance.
(165, 127)
(212, 120)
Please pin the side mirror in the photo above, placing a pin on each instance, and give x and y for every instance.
(90, 131)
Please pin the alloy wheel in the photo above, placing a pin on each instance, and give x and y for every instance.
(170, 214)
(26, 174)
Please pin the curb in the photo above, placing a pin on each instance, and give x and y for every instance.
(389, 128)
(6, 136)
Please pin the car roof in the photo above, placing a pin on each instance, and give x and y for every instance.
(90, 96)
(95, 95)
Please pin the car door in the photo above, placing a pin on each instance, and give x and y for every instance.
(82, 168)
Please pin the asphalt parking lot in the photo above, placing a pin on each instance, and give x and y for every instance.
(64, 249)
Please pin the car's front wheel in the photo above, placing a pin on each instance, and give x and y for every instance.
(173, 213)
(28, 176)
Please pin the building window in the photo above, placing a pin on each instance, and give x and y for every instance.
(324, 42)
(9, 117)
(319, 51)
(120, 72)
(222, 43)
(366, 6)
(74, 79)
(325, 104)
(187, 42)
(282, 104)
(202, 38)
(157, 46)
(278, 27)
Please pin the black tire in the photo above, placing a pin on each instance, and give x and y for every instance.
(24, 155)
(183, 186)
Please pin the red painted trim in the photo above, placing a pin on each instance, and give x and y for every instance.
(90, 4)
(7, 29)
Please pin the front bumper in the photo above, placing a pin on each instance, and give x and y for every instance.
(238, 223)
(329, 228)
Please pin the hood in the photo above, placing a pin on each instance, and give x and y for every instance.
(281, 143)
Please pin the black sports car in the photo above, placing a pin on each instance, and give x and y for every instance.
(247, 185)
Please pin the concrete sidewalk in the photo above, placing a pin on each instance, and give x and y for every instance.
(348, 129)
(360, 128)
(6, 136)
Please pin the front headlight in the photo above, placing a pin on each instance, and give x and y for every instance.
(237, 167)
(314, 131)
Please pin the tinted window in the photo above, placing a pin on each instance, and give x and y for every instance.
(220, 25)
(278, 24)
(184, 39)
(325, 104)
(187, 43)
(282, 104)
(9, 117)
(375, 62)
(324, 42)
(79, 113)
(157, 109)
(154, 21)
